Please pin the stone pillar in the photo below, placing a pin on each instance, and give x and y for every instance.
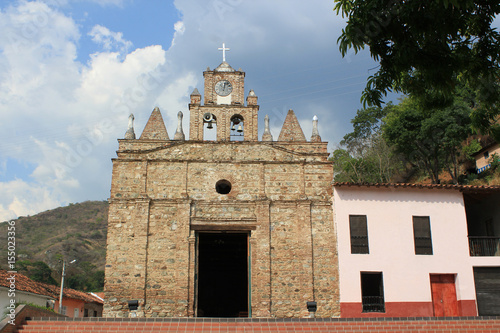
(326, 267)
(267, 136)
(194, 122)
(260, 263)
(302, 182)
(262, 183)
(192, 274)
(304, 220)
(126, 256)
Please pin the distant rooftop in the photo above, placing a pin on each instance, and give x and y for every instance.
(23, 283)
(462, 188)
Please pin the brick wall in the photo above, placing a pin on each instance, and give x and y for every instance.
(180, 325)
(23, 311)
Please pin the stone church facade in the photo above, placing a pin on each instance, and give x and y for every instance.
(231, 227)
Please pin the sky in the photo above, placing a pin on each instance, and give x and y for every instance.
(71, 72)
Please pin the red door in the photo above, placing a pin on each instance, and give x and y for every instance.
(444, 295)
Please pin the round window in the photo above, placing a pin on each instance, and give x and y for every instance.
(223, 186)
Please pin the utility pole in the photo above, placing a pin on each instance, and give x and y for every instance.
(62, 284)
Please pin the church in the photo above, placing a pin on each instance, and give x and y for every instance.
(223, 224)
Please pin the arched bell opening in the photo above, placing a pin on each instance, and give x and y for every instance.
(209, 127)
(237, 132)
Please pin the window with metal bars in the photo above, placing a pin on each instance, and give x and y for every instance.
(372, 292)
(359, 234)
(422, 234)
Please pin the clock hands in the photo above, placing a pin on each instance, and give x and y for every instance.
(223, 88)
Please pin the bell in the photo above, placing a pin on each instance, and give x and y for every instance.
(209, 126)
(240, 129)
(232, 128)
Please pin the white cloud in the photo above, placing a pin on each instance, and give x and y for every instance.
(179, 27)
(19, 198)
(174, 98)
(64, 116)
(108, 80)
(110, 40)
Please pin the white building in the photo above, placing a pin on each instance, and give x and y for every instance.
(21, 290)
(418, 250)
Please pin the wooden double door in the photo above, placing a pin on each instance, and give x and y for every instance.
(444, 295)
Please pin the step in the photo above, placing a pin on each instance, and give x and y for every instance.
(180, 325)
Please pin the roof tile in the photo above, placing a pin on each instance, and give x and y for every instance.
(23, 283)
(463, 188)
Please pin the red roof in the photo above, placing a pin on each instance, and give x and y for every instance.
(462, 188)
(99, 294)
(23, 283)
(75, 294)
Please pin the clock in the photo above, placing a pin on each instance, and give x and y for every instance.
(223, 88)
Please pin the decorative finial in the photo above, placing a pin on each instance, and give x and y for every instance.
(223, 49)
(179, 133)
(315, 133)
(267, 136)
(130, 134)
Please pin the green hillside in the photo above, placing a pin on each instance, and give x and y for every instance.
(77, 231)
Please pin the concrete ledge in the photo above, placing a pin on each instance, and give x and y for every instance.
(268, 320)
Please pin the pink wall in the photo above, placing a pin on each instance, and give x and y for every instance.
(406, 276)
(71, 305)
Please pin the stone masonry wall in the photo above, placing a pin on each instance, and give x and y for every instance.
(126, 255)
(168, 260)
(326, 274)
(291, 260)
(162, 193)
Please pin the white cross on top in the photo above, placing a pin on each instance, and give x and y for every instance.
(223, 49)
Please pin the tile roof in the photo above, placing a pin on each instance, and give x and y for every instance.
(23, 283)
(75, 294)
(99, 294)
(462, 188)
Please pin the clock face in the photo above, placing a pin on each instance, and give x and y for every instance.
(223, 88)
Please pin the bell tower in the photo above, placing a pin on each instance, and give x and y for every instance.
(223, 108)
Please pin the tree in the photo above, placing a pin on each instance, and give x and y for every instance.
(366, 157)
(470, 149)
(37, 271)
(346, 167)
(366, 124)
(431, 139)
(86, 277)
(425, 47)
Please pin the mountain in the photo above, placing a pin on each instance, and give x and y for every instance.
(77, 231)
